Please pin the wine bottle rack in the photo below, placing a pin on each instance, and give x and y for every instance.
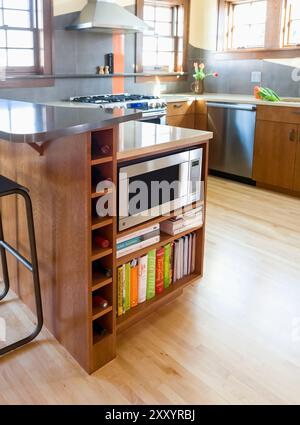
(102, 259)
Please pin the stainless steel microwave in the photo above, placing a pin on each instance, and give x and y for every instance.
(158, 186)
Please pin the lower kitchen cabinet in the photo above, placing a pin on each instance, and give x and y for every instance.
(275, 153)
(201, 122)
(297, 167)
(184, 121)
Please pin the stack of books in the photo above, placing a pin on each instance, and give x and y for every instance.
(144, 278)
(186, 221)
(138, 240)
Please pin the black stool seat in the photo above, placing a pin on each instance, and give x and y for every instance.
(9, 187)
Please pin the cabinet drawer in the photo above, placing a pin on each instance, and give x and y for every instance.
(180, 108)
(283, 114)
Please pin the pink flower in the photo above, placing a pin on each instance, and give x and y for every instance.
(215, 74)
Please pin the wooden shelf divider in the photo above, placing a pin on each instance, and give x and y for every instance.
(99, 312)
(102, 193)
(99, 253)
(158, 219)
(99, 222)
(164, 240)
(100, 281)
(101, 160)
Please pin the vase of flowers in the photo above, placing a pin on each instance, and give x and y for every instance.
(200, 75)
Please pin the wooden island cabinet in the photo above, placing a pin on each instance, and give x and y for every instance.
(57, 154)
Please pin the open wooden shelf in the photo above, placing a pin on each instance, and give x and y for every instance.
(99, 338)
(99, 312)
(158, 219)
(101, 160)
(164, 240)
(102, 193)
(99, 222)
(98, 253)
(142, 310)
(99, 281)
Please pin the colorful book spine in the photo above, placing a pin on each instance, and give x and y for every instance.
(151, 274)
(138, 246)
(123, 288)
(167, 251)
(126, 244)
(133, 284)
(120, 291)
(142, 278)
(159, 282)
(127, 287)
(171, 262)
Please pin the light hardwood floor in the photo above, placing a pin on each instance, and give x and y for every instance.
(232, 338)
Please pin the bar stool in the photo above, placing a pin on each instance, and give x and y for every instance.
(7, 188)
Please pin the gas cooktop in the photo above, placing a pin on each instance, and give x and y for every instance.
(112, 98)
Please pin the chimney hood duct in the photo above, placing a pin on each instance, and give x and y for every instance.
(107, 17)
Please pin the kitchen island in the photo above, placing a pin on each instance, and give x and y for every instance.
(56, 153)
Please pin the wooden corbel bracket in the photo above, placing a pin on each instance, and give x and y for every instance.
(39, 147)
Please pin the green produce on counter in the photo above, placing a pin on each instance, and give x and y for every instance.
(264, 93)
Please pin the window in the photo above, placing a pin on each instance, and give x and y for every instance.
(25, 44)
(258, 29)
(247, 24)
(163, 49)
(291, 29)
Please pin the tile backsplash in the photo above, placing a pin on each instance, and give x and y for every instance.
(81, 52)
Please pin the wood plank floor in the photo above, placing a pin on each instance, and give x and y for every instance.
(233, 338)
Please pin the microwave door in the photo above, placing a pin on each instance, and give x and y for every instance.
(123, 196)
(152, 183)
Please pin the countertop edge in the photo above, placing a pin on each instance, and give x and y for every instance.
(46, 136)
(170, 145)
(226, 98)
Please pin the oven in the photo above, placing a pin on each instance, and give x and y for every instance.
(156, 187)
(155, 117)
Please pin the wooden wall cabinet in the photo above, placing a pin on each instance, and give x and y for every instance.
(277, 148)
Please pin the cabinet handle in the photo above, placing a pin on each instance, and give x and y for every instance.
(292, 134)
(178, 105)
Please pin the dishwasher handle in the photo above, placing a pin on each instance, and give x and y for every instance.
(236, 106)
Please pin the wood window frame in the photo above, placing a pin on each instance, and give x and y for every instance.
(274, 47)
(286, 26)
(30, 77)
(139, 45)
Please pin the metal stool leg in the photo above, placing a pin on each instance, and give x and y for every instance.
(35, 272)
(34, 262)
(4, 264)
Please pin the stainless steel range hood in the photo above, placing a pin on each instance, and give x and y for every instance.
(108, 17)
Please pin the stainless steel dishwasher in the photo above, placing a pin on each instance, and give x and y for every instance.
(231, 150)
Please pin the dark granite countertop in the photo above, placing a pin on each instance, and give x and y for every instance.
(25, 122)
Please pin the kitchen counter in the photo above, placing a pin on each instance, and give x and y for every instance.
(25, 122)
(141, 139)
(229, 98)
